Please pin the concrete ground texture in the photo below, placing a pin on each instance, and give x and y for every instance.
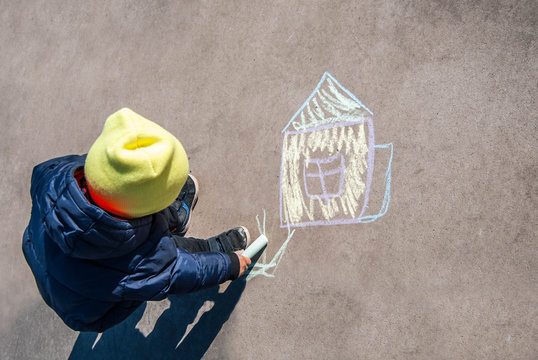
(449, 272)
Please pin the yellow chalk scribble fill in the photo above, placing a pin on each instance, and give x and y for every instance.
(350, 142)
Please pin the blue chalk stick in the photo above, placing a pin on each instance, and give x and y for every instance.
(255, 247)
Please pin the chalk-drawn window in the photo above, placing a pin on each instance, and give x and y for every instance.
(324, 177)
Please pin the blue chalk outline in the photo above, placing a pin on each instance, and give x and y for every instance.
(325, 75)
(262, 267)
(386, 198)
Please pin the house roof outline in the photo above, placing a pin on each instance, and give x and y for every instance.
(325, 106)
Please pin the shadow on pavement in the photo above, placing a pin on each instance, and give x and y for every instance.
(124, 341)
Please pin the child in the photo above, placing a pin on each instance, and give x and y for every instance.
(107, 229)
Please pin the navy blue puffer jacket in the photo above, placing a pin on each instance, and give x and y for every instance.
(93, 269)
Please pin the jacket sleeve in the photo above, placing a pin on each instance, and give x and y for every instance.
(172, 270)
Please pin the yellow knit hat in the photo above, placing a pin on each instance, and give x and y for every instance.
(135, 167)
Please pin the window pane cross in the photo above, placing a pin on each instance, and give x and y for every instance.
(323, 172)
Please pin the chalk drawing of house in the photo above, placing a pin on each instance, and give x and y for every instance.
(327, 160)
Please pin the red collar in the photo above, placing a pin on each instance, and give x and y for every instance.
(82, 184)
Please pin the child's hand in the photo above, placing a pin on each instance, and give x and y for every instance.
(244, 262)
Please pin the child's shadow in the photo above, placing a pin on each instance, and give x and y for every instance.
(166, 340)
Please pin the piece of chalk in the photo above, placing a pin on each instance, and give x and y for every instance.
(255, 247)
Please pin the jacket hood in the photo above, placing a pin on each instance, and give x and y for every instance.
(78, 227)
